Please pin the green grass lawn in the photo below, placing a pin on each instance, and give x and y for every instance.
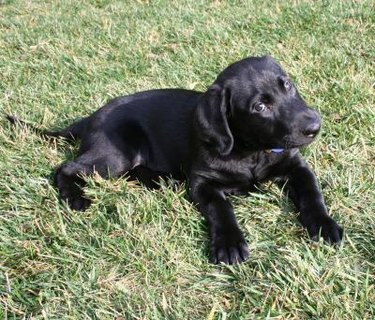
(141, 254)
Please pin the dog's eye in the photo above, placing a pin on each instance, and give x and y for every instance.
(260, 106)
(287, 85)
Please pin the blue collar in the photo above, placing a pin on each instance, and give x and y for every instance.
(276, 150)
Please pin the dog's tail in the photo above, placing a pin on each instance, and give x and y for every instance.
(71, 133)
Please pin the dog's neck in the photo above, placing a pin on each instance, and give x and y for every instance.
(247, 145)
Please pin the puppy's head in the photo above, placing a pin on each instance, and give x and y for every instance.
(254, 104)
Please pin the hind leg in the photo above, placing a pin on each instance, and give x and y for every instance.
(69, 181)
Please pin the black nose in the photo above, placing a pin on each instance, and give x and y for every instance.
(312, 129)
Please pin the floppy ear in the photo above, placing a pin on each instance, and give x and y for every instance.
(212, 119)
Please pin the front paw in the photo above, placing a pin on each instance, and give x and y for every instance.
(326, 228)
(74, 197)
(75, 201)
(229, 248)
(70, 189)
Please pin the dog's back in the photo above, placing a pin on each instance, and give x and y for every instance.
(161, 118)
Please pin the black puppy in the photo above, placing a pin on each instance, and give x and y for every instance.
(247, 128)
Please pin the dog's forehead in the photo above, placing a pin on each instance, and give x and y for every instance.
(264, 73)
(255, 71)
(252, 81)
(263, 76)
(259, 65)
(265, 79)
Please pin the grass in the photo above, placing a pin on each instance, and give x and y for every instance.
(140, 254)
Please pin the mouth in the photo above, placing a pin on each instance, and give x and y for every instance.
(291, 143)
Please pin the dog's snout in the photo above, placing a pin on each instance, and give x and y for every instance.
(312, 129)
(312, 125)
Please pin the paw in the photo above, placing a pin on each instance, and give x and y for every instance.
(75, 201)
(70, 189)
(326, 228)
(229, 248)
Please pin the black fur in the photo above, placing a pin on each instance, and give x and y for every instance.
(219, 140)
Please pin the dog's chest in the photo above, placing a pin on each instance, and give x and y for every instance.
(263, 167)
(254, 169)
(247, 171)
